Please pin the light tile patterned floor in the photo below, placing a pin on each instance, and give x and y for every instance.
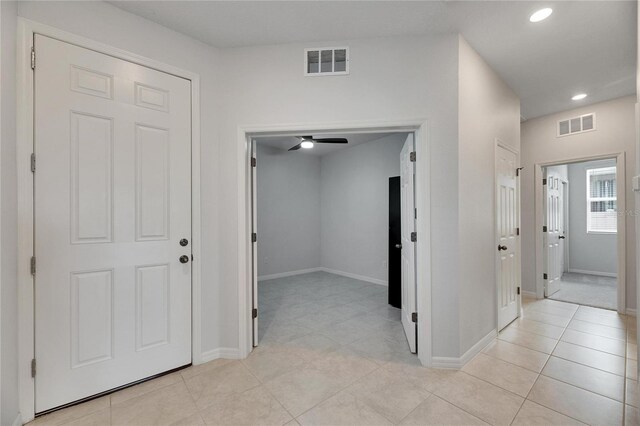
(332, 353)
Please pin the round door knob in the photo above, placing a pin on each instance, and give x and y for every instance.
(398, 246)
(184, 242)
(184, 258)
(502, 248)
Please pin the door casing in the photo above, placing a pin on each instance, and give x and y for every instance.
(24, 146)
(423, 250)
(622, 221)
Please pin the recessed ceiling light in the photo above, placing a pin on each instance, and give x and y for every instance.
(541, 14)
(306, 144)
(579, 96)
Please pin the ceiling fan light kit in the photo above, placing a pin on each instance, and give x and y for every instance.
(308, 142)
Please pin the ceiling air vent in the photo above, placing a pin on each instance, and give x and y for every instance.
(326, 61)
(581, 124)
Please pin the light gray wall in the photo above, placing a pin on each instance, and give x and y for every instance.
(8, 218)
(288, 211)
(615, 133)
(355, 206)
(588, 251)
(488, 109)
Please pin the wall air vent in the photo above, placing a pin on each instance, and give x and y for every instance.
(581, 124)
(326, 61)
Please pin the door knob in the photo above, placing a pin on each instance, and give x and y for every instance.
(562, 237)
(184, 242)
(398, 246)
(184, 258)
(501, 247)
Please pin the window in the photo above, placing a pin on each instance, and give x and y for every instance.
(601, 200)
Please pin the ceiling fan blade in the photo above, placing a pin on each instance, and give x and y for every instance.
(331, 140)
(295, 148)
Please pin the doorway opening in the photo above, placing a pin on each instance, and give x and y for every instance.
(582, 248)
(322, 253)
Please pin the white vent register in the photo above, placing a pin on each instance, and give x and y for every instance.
(581, 124)
(326, 61)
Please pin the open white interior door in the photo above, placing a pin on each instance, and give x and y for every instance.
(508, 247)
(254, 244)
(553, 233)
(408, 225)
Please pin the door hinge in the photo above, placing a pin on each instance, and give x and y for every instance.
(544, 276)
(33, 265)
(33, 58)
(33, 162)
(415, 213)
(412, 156)
(518, 290)
(414, 237)
(544, 181)
(517, 231)
(254, 237)
(254, 162)
(544, 228)
(254, 313)
(33, 367)
(518, 171)
(414, 317)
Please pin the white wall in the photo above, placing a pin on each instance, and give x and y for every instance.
(488, 109)
(288, 211)
(355, 207)
(8, 218)
(615, 133)
(588, 251)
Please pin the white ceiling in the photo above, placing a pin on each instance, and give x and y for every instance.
(285, 142)
(585, 46)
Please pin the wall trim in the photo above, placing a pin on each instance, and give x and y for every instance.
(24, 147)
(631, 312)
(458, 363)
(531, 294)
(17, 421)
(356, 276)
(600, 274)
(220, 353)
(288, 274)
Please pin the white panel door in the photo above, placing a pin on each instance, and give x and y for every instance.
(407, 223)
(508, 250)
(112, 204)
(554, 235)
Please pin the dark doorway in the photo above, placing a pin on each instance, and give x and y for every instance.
(395, 245)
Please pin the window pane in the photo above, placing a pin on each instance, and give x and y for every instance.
(327, 61)
(313, 61)
(340, 58)
(601, 196)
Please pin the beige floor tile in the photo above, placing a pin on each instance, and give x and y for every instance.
(145, 387)
(207, 366)
(99, 418)
(501, 373)
(597, 329)
(219, 383)
(164, 406)
(528, 340)
(388, 394)
(631, 416)
(253, 407)
(537, 327)
(283, 332)
(616, 320)
(305, 387)
(518, 355)
(377, 348)
(345, 363)
(426, 378)
(591, 379)
(632, 351)
(311, 346)
(535, 414)
(436, 411)
(479, 398)
(70, 414)
(577, 403)
(632, 370)
(193, 420)
(293, 422)
(343, 409)
(535, 315)
(269, 362)
(557, 310)
(633, 393)
(590, 357)
(599, 311)
(604, 344)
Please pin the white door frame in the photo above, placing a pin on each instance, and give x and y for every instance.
(622, 221)
(423, 222)
(25, 124)
(515, 151)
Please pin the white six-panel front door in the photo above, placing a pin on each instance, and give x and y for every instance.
(407, 224)
(112, 203)
(555, 234)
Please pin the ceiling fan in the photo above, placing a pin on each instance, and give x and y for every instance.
(309, 141)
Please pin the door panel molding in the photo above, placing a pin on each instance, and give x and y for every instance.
(25, 145)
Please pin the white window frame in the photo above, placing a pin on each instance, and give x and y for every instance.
(332, 72)
(590, 172)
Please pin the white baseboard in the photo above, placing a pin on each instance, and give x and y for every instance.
(17, 421)
(600, 274)
(631, 312)
(288, 274)
(225, 353)
(458, 363)
(356, 276)
(531, 294)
